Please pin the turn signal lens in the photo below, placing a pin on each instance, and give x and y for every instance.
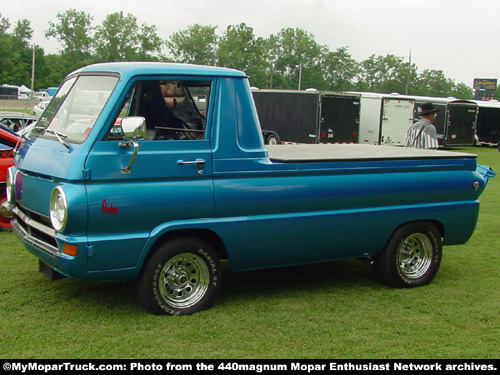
(69, 249)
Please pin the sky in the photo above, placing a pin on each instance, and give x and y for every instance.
(455, 36)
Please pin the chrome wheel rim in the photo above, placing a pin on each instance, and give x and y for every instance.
(415, 255)
(184, 280)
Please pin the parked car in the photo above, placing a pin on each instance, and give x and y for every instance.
(16, 121)
(40, 107)
(8, 141)
(41, 95)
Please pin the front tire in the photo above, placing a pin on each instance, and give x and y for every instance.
(182, 277)
(412, 256)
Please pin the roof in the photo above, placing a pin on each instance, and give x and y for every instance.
(135, 68)
(17, 115)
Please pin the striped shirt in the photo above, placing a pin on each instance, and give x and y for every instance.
(422, 134)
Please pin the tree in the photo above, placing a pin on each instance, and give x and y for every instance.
(240, 49)
(74, 32)
(150, 44)
(278, 61)
(295, 55)
(6, 44)
(384, 74)
(195, 45)
(17, 53)
(4, 25)
(434, 83)
(116, 38)
(341, 70)
(23, 30)
(54, 69)
(462, 91)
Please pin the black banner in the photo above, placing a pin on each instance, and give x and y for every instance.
(248, 366)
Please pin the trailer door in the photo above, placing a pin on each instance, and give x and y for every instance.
(397, 117)
(339, 119)
(488, 125)
(461, 126)
(369, 119)
(292, 115)
(439, 122)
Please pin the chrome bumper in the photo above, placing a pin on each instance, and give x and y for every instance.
(34, 232)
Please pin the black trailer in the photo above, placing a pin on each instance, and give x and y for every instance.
(309, 116)
(9, 92)
(461, 124)
(293, 115)
(488, 123)
(339, 122)
(441, 104)
(455, 122)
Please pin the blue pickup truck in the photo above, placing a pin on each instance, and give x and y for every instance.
(157, 172)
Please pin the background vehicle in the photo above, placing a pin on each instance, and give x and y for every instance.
(488, 123)
(41, 95)
(9, 92)
(40, 107)
(16, 121)
(385, 118)
(8, 141)
(308, 116)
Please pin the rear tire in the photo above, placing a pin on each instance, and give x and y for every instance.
(412, 256)
(272, 139)
(182, 277)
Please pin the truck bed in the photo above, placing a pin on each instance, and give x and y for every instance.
(353, 152)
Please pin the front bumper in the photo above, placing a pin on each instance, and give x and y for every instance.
(40, 239)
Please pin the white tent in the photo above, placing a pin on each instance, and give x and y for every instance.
(24, 90)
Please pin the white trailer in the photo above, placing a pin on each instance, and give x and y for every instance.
(384, 118)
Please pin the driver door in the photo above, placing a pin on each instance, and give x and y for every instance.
(169, 180)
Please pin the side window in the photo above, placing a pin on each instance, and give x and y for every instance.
(173, 109)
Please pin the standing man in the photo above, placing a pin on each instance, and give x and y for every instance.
(422, 134)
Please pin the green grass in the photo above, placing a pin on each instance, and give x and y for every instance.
(332, 310)
(27, 111)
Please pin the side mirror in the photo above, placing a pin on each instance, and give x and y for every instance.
(134, 127)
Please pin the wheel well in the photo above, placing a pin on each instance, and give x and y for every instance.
(207, 235)
(268, 134)
(438, 225)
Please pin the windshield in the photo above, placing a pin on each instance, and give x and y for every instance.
(72, 113)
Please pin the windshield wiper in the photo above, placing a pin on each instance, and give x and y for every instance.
(59, 137)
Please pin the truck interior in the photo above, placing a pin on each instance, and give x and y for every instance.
(173, 109)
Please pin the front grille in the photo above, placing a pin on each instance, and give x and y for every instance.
(35, 229)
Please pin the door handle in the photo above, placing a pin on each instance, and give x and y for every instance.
(200, 163)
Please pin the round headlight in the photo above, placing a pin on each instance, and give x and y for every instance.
(10, 186)
(58, 209)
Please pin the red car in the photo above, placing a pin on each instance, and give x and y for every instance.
(8, 142)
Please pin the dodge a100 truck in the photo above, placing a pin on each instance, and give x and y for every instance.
(157, 172)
